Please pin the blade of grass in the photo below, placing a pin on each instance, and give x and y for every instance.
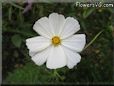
(58, 75)
(10, 13)
(88, 12)
(17, 6)
(19, 32)
(93, 39)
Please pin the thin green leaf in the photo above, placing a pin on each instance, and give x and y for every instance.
(93, 39)
(10, 13)
(88, 12)
(19, 32)
(17, 6)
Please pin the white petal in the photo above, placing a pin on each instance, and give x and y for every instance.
(57, 22)
(75, 42)
(72, 57)
(41, 57)
(37, 44)
(71, 26)
(56, 58)
(32, 53)
(42, 26)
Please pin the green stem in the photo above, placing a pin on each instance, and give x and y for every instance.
(93, 39)
(58, 75)
(17, 31)
(17, 6)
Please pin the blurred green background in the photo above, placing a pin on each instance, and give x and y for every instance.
(96, 65)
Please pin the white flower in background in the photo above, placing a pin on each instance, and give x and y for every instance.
(57, 45)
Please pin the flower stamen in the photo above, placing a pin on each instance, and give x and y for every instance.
(56, 40)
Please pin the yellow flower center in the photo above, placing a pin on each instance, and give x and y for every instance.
(56, 40)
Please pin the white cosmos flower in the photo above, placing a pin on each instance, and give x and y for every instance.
(57, 45)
